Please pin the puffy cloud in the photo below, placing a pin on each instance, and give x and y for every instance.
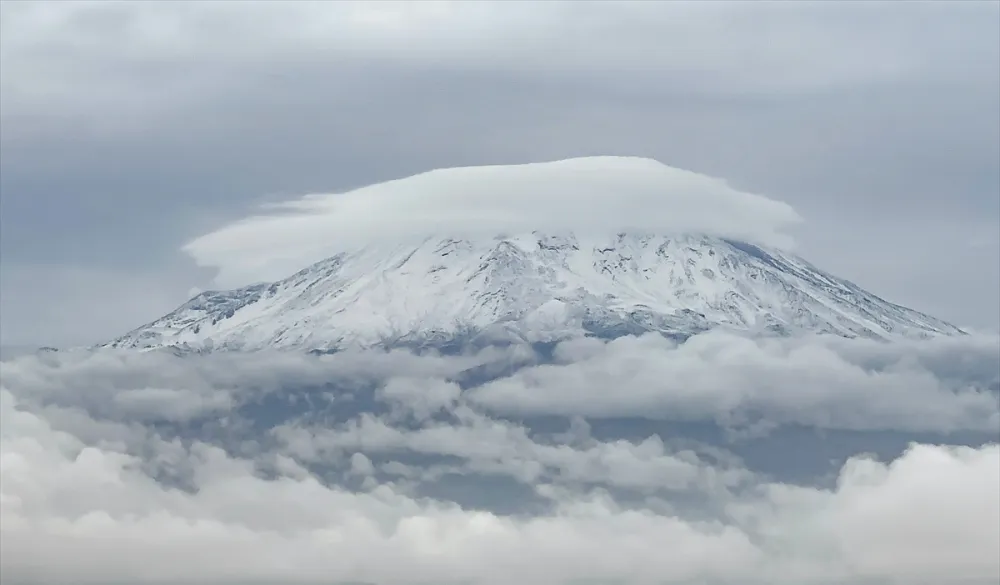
(166, 386)
(96, 491)
(421, 397)
(504, 448)
(361, 465)
(873, 513)
(939, 385)
(589, 195)
(931, 515)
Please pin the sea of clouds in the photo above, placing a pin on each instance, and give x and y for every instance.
(634, 461)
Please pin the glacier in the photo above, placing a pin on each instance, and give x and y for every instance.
(532, 287)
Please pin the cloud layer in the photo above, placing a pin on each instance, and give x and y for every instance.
(824, 383)
(585, 195)
(385, 467)
(834, 45)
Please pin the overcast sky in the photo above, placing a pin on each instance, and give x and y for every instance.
(128, 129)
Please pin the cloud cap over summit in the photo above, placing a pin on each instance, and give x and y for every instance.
(603, 194)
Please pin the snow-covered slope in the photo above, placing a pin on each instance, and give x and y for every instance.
(534, 287)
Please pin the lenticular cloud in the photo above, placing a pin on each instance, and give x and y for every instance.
(595, 194)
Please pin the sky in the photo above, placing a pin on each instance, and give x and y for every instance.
(128, 130)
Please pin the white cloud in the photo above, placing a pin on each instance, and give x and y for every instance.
(595, 194)
(163, 386)
(361, 465)
(421, 397)
(92, 493)
(170, 404)
(503, 448)
(81, 513)
(873, 513)
(939, 385)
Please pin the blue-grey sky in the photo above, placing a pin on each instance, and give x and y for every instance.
(127, 129)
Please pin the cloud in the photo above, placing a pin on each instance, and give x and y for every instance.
(501, 448)
(162, 386)
(363, 467)
(596, 194)
(103, 520)
(85, 56)
(871, 511)
(421, 397)
(940, 385)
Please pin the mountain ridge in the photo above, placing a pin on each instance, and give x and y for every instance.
(533, 287)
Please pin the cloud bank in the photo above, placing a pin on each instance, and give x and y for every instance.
(395, 468)
(823, 382)
(593, 194)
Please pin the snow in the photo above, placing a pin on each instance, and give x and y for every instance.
(589, 196)
(534, 286)
(536, 252)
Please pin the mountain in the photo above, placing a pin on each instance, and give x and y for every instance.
(534, 287)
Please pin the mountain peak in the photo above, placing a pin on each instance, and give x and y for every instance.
(534, 286)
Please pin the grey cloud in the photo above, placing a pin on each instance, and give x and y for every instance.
(839, 44)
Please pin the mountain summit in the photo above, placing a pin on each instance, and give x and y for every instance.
(532, 252)
(533, 287)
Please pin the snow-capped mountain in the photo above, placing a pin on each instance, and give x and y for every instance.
(533, 287)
